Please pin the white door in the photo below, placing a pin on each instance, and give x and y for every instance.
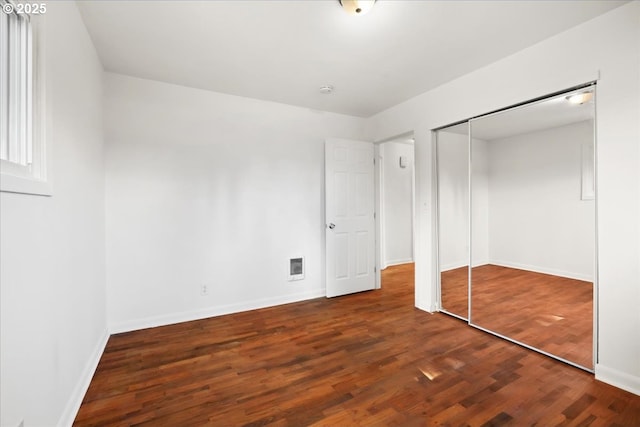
(350, 223)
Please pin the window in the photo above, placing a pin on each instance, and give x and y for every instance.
(23, 153)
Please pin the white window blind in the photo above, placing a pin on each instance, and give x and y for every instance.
(16, 88)
(25, 152)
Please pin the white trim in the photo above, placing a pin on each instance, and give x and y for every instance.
(377, 172)
(435, 225)
(453, 266)
(460, 264)
(587, 170)
(398, 262)
(431, 309)
(413, 202)
(616, 378)
(77, 395)
(204, 313)
(25, 185)
(36, 178)
(543, 270)
(381, 211)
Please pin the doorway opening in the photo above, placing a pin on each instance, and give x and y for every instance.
(395, 201)
(369, 211)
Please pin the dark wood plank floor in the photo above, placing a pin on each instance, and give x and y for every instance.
(552, 313)
(454, 291)
(364, 359)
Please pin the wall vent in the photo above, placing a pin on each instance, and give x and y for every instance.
(296, 268)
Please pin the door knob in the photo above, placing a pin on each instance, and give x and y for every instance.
(332, 226)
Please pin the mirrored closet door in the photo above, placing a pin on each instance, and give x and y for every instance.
(452, 146)
(532, 225)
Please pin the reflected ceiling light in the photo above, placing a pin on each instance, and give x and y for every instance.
(357, 7)
(326, 89)
(580, 98)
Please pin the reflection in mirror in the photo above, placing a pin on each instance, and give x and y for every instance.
(452, 146)
(533, 241)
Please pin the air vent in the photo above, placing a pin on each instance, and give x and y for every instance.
(296, 268)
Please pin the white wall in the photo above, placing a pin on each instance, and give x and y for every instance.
(52, 287)
(453, 194)
(453, 197)
(397, 191)
(210, 209)
(527, 207)
(480, 210)
(537, 218)
(210, 189)
(606, 48)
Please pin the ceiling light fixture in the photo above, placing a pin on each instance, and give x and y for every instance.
(357, 7)
(326, 89)
(580, 98)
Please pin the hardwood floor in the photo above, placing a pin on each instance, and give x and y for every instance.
(454, 291)
(364, 359)
(552, 313)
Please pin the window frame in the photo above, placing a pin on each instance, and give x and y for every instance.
(34, 178)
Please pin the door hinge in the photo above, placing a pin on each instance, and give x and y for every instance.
(374, 160)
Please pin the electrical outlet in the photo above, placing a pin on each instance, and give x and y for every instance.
(204, 290)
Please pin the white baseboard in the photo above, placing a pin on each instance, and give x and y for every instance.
(75, 400)
(431, 309)
(187, 316)
(456, 265)
(543, 270)
(397, 262)
(453, 266)
(628, 382)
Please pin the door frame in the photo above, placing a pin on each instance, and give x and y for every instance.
(435, 223)
(379, 194)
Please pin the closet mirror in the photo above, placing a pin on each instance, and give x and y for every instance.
(533, 225)
(452, 146)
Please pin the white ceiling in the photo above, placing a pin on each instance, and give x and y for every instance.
(285, 50)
